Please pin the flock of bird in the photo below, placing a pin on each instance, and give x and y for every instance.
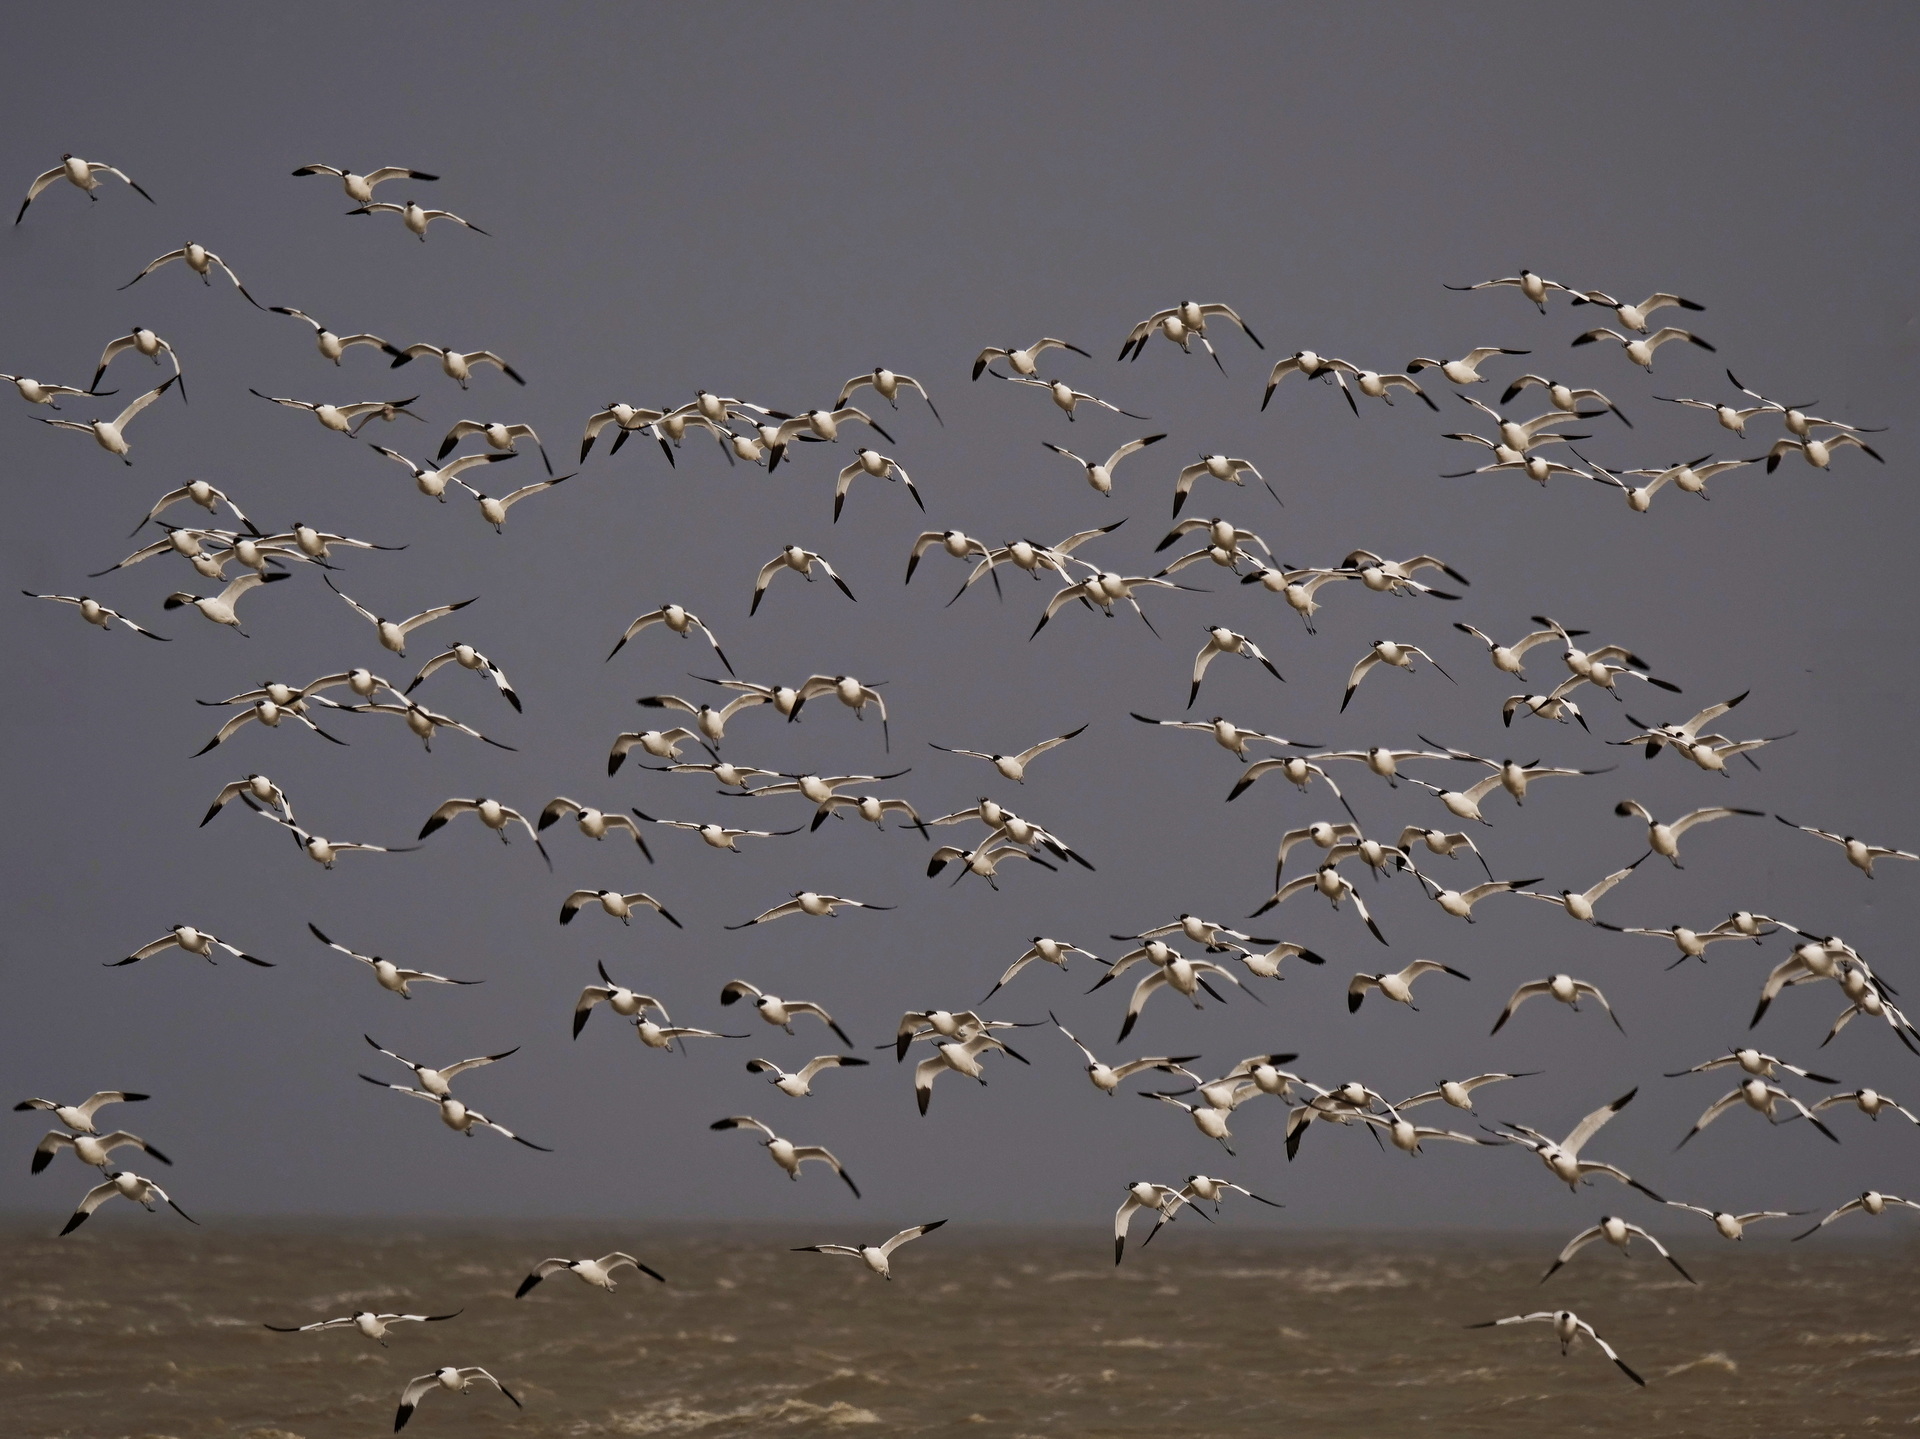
(1189, 956)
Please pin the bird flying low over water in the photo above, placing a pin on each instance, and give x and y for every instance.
(1567, 1326)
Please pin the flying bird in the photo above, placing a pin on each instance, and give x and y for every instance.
(801, 562)
(1860, 854)
(882, 467)
(194, 941)
(597, 1272)
(1021, 362)
(390, 976)
(79, 1117)
(1390, 652)
(887, 385)
(1397, 987)
(111, 435)
(1634, 317)
(350, 419)
(393, 634)
(1013, 766)
(414, 216)
(788, 1155)
(1100, 476)
(95, 613)
(613, 902)
(199, 259)
(498, 434)
(1070, 399)
(677, 618)
(359, 188)
(125, 1185)
(1535, 287)
(1220, 467)
(1640, 350)
(1663, 838)
(457, 364)
(777, 1011)
(468, 658)
(331, 346)
(374, 1325)
(453, 1380)
(875, 1256)
(1183, 324)
(493, 814)
(1567, 1326)
(1563, 987)
(83, 175)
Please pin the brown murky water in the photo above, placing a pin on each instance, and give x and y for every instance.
(147, 1329)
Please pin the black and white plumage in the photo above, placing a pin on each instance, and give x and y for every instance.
(110, 435)
(95, 613)
(453, 1380)
(1860, 854)
(1871, 1202)
(390, 976)
(1563, 987)
(807, 901)
(680, 620)
(194, 941)
(613, 902)
(1537, 288)
(1396, 986)
(1013, 766)
(788, 1155)
(876, 1257)
(139, 339)
(1619, 1233)
(82, 175)
(1562, 1157)
(1021, 361)
(886, 384)
(468, 658)
(199, 259)
(359, 187)
(79, 1117)
(331, 346)
(777, 1011)
(457, 1114)
(366, 1321)
(438, 1081)
(124, 1185)
(416, 218)
(1566, 1327)
(799, 1083)
(801, 562)
(1100, 475)
(90, 1148)
(597, 1272)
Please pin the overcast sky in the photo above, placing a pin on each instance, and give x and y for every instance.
(762, 202)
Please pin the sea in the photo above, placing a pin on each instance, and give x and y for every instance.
(148, 1330)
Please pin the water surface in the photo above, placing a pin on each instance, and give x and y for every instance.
(147, 1329)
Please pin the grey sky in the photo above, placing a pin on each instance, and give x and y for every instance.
(764, 201)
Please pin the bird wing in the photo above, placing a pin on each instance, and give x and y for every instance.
(142, 401)
(804, 1152)
(409, 625)
(1028, 755)
(907, 1235)
(449, 1071)
(1521, 996)
(1705, 816)
(1360, 672)
(1591, 1125)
